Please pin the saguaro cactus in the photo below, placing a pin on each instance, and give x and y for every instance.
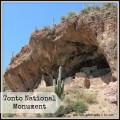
(53, 22)
(12, 58)
(59, 86)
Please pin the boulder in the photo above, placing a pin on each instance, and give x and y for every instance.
(68, 80)
(86, 83)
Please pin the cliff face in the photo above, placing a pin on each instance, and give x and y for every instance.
(83, 40)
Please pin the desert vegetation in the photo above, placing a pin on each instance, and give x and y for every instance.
(46, 28)
(5, 86)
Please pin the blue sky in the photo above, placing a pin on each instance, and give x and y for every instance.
(20, 19)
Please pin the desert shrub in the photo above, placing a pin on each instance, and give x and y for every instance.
(63, 18)
(107, 13)
(38, 115)
(72, 13)
(12, 59)
(107, 5)
(109, 10)
(8, 115)
(84, 10)
(46, 28)
(36, 30)
(5, 86)
(75, 106)
(79, 107)
(62, 96)
(90, 8)
(90, 97)
(68, 100)
(93, 13)
(48, 115)
(60, 112)
(95, 8)
(115, 18)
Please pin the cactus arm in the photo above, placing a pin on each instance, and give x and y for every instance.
(62, 86)
(59, 86)
(54, 82)
(60, 73)
(55, 86)
(56, 89)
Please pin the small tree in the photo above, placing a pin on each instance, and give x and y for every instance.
(72, 13)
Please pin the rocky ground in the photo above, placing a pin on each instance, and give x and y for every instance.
(106, 103)
(100, 97)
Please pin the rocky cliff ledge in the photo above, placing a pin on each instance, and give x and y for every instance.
(84, 40)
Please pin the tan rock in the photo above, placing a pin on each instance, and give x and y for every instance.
(86, 83)
(80, 74)
(68, 80)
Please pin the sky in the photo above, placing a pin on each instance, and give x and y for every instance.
(20, 19)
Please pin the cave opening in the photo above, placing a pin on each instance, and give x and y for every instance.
(92, 63)
(82, 58)
(96, 67)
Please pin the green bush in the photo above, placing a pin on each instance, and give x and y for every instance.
(79, 107)
(90, 8)
(38, 115)
(36, 30)
(46, 28)
(90, 97)
(107, 5)
(72, 13)
(62, 96)
(93, 13)
(5, 86)
(61, 111)
(8, 115)
(85, 10)
(63, 18)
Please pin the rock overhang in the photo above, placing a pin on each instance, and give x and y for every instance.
(68, 44)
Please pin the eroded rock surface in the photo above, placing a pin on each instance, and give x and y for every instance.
(80, 41)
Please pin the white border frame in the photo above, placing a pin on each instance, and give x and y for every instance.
(61, 2)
